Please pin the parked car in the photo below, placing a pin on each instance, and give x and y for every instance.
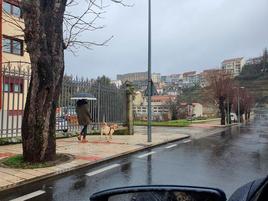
(233, 117)
(61, 124)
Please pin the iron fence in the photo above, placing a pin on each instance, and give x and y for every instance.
(110, 104)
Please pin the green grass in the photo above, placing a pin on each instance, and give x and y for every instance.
(18, 162)
(173, 123)
(6, 141)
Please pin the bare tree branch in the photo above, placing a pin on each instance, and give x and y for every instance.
(76, 23)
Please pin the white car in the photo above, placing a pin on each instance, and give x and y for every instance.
(233, 117)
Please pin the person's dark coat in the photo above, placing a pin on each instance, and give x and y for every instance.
(83, 114)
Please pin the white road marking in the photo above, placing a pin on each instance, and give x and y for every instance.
(186, 141)
(144, 155)
(171, 146)
(102, 170)
(29, 196)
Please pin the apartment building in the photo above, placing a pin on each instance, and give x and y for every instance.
(173, 78)
(117, 83)
(15, 66)
(233, 66)
(12, 37)
(156, 77)
(255, 60)
(137, 76)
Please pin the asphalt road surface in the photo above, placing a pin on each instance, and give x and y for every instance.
(225, 160)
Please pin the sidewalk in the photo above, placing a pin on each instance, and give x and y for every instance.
(213, 123)
(85, 154)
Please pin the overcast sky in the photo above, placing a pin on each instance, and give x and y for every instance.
(186, 35)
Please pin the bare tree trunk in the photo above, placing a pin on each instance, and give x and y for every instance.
(247, 116)
(222, 111)
(44, 39)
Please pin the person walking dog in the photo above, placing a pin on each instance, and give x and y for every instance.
(84, 118)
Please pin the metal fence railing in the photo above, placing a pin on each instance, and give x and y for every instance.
(109, 106)
(15, 79)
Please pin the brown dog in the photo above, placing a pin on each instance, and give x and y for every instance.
(108, 129)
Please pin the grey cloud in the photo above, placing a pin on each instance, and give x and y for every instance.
(187, 35)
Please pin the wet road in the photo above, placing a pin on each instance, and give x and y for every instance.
(225, 160)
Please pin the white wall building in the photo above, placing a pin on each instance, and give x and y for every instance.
(156, 77)
(233, 66)
(117, 83)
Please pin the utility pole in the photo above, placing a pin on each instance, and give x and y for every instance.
(238, 104)
(238, 107)
(228, 112)
(149, 127)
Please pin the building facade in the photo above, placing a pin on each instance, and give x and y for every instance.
(160, 107)
(233, 66)
(191, 79)
(13, 47)
(15, 66)
(255, 60)
(138, 76)
(117, 83)
(156, 77)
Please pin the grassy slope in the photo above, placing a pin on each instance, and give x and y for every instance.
(258, 87)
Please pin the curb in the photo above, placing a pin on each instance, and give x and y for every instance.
(86, 165)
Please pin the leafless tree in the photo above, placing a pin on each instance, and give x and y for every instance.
(49, 28)
(246, 103)
(219, 87)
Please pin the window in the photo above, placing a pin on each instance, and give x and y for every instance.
(12, 45)
(17, 88)
(6, 87)
(12, 9)
(7, 7)
(6, 45)
(16, 47)
(13, 84)
(16, 11)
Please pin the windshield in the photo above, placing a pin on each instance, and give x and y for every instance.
(101, 94)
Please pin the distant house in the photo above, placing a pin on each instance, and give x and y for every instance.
(193, 110)
(160, 107)
(117, 83)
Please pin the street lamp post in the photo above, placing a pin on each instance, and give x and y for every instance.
(238, 104)
(238, 107)
(149, 127)
(228, 112)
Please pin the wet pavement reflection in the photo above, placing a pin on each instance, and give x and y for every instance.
(225, 160)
